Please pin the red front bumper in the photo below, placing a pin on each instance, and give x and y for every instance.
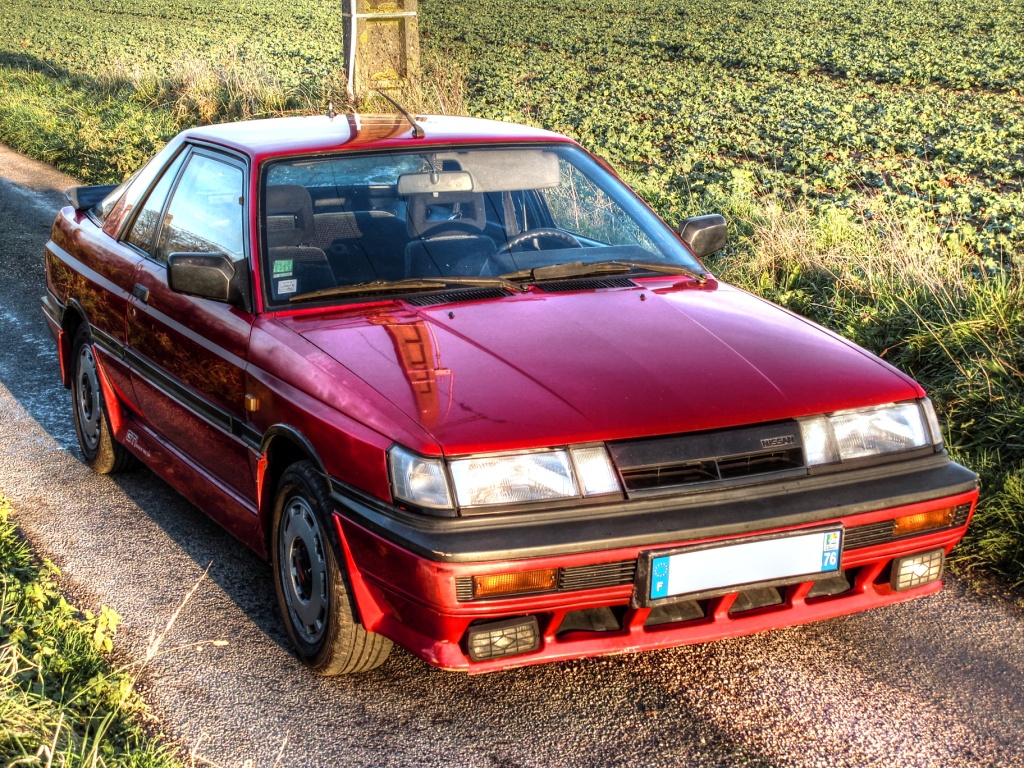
(416, 601)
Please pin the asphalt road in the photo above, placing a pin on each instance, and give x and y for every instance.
(936, 682)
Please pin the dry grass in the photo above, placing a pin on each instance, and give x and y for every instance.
(200, 92)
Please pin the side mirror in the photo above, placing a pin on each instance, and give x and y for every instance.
(704, 234)
(84, 198)
(208, 276)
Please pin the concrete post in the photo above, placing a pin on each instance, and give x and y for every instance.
(382, 44)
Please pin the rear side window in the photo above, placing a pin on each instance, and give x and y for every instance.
(102, 209)
(136, 186)
(205, 214)
(144, 227)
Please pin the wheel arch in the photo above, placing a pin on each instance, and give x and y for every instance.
(281, 446)
(74, 317)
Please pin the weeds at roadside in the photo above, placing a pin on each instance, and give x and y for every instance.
(61, 703)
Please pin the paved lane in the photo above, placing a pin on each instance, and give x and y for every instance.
(937, 682)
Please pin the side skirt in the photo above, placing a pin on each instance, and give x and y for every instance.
(225, 507)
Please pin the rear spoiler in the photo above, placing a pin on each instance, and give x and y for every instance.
(84, 198)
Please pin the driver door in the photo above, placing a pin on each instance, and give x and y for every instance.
(189, 354)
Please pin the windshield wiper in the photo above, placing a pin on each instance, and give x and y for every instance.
(618, 266)
(408, 284)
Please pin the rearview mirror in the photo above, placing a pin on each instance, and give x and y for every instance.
(441, 181)
(209, 276)
(705, 234)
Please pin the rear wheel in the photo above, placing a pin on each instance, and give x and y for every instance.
(96, 439)
(313, 590)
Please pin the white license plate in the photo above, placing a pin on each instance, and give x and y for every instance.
(720, 568)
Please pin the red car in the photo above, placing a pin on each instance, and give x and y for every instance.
(470, 395)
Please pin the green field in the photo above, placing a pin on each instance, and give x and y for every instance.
(870, 155)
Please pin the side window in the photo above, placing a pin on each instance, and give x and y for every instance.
(205, 214)
(145, 224)
(581, 207)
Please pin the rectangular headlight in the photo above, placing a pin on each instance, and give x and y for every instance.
(513, 478)
(890, 429)
(865, 432)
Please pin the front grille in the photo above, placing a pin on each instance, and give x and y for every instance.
(600, 575)
(448, 297)
(589, 284)
(726, 457)
(464, 588)
(860, 536)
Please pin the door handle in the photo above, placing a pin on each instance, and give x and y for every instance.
(141, 292)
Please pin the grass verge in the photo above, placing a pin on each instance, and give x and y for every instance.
(61, 702)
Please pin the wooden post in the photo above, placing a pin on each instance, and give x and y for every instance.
(382, 44)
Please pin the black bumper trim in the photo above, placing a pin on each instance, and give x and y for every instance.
(650, 522)
(52, 308)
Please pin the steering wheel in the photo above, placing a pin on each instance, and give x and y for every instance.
(540, 232)
(452, 226)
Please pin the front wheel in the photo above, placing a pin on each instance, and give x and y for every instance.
(313, 593)
(95, 437)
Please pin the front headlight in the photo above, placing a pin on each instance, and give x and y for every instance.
(510, 478)
(513, 478)
(865, 432)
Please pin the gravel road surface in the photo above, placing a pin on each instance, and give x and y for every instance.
(936, 682)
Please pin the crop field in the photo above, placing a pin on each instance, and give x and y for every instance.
(869, 155)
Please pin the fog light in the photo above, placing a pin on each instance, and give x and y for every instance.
(926, 521)
(503, 638)
(500, 584)
(913, 571)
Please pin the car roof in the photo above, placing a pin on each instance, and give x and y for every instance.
(314, 134)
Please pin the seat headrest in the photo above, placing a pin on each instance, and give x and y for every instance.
(289, 215)
(470, 207)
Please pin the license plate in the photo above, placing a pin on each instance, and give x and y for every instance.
(717, 569)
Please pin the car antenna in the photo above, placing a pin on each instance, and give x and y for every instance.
(417, 130)
(331, 114)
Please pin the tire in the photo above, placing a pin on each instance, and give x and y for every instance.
(313, 591)
(95, 438)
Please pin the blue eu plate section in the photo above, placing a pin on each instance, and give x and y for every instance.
(701, 570)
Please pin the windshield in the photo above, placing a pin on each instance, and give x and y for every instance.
(440, 216)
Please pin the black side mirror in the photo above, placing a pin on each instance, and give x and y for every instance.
(209, 276)
(84, 198)
(704, 234)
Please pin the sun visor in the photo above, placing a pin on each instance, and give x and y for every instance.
(506, 170)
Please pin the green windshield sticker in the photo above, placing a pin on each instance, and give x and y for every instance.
(282, 267)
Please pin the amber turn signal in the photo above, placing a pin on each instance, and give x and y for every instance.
(925, 521)
(515, 583)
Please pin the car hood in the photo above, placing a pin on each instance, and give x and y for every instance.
(553, 368)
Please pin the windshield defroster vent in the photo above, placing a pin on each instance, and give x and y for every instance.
(449, 297)
(588, 284)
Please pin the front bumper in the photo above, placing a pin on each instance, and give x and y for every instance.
(410, 581)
